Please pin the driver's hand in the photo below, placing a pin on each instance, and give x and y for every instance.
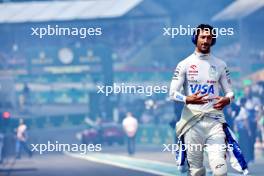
(196, 99)
(221, 103)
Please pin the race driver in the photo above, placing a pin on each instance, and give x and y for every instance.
(201, 75)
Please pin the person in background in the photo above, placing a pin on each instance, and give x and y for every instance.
(21, 142)
(252, 121)
(243, 129)
(130, 126)
(260, 121)
(261, 124)
(228, 116)
(1, 146)
(252, 101)
(230, 113)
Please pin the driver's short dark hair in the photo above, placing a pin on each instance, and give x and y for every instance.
(205, 27)
(201, 27)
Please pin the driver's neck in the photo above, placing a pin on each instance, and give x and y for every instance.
(202, 55)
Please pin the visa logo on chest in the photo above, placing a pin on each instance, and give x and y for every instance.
(203, 88)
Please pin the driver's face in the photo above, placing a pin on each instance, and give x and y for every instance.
(204, 41)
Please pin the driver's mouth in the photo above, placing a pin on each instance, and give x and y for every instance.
(205, 45)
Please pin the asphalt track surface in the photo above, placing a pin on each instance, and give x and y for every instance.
(63, 165)
(113, 161)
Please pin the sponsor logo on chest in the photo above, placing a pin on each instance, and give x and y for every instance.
(212, 72)
(193, 70)
(205, 88)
